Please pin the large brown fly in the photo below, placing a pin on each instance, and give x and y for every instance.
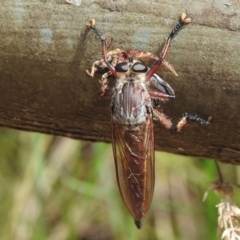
(135, 101)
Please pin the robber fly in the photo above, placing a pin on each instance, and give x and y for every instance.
(135, 101)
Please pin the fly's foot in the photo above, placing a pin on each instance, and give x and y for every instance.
(91, 23)
(183, 19)
(195, 118)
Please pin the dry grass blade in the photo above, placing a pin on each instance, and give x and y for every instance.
(228, 212)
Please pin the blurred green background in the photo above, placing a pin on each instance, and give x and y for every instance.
(55, 188)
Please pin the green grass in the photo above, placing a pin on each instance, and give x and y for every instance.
(57, 188)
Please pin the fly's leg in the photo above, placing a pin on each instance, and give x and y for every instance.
(183, 121)
(99, 64)
(160, 96)
(104, 85)
(93, 69)
(163, 119)
(104, 46)
(182, 22)
(186, 117)
(164, 96)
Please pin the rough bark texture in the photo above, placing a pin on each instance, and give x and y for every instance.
(45, 49)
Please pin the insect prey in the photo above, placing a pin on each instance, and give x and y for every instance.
(135, 100)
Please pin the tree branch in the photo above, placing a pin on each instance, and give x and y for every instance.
(45, 49)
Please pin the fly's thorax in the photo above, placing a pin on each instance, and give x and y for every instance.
(130, 103)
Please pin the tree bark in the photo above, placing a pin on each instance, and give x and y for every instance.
(45, 49)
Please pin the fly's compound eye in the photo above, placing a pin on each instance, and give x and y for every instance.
(121, 67)
(139, 68)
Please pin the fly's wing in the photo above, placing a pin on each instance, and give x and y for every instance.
(133, 148)
(158, 83)
(161, 85)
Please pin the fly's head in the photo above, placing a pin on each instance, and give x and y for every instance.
(127, 66)
(131, 70)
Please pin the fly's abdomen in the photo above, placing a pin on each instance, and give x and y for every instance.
(133, 150)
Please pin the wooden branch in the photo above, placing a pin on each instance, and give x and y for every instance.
(45, 49)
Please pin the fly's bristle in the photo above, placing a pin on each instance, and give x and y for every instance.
(138, 223)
